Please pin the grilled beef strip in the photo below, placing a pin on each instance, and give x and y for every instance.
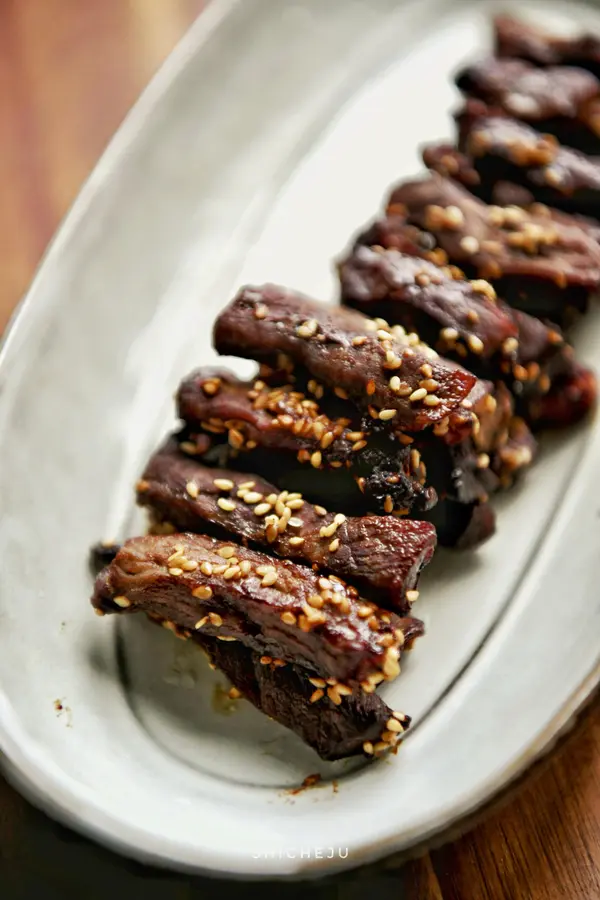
(462, 320)
(545, 264)
(275, 607)
(494, 149)
(383, 555)
(559, 100)
(336, 724)
(345, 350)
(520, 40)
(253, 417)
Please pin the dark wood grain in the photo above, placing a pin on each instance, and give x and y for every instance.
(69, 71)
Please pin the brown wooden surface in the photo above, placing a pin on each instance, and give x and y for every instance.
(69, 71)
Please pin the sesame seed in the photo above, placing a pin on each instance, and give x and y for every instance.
(431, 400)
(224, 637)
(327, 440)
(316, 601)
(224, 484)
(188, 447)
(234, 694)
(294, 522)
(484, 287)
(449, 334)
(395, 383)
(363, 612)
(211, 386)
(215, 619)
(142, 485)
(226, 505)
(368, 748)
(419, 394)
(226, 552)
(472, 317)
(175, 570)
(316, 695)
(334, 545)
(201, 622)
(288, 618)
(252, 497)
(296, 541)
(475, 343)
(483, 461)
(245, 567)
(235, 438)
(412, 596)
(358, 445)
(265, 660)
(430, 384)
(320, 510)
(246, 485)
(510, 345)
(388, 504)
(122, 601)
(359, 340)
(387, 414)
(341, 393)
(206, 568)
(307, 329)
(260, 311)
(469, 244)
(218, 570)
(189, 565)
(232, 572)
(270, 578)
(426, 370)
(316, 459)
(262, 509)
(333, 695)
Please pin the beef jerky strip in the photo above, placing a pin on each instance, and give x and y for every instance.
(500, 149)
(463, 320)
(558, 100)
(344, 349)
(335, 723)
(275, 607)
(256, 415)
(545, 265)
(521, 40)
(385, 555)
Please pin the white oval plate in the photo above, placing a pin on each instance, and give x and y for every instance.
(270, 135)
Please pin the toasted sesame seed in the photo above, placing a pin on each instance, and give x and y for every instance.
(484, 287)
(245, 567)
(412, 596)
(224, 484)
(391, 668)
(211, 386)
(395, 383)
(334, 545)
(386, 414)
(269, 578)
(316, 459)
(419, 394)
(260, 311)
(475, 343)
(469, 244)
(224, 637)
(234, 694)
(431, 400)
(201, 622)
(189, 565)
(252, 497)
(232, 572)
(261, 509)
(226, 505)
(142, 485)
(320, 510)
(368, 748)
(426, 370)
(265, 660)
(472, 317)
(328, 530)
(175, 570)
(449, 334)
(388, 504)
(333, 695)
(288, 618)
(307, 329)
(341, 393)
(483, 461)
(386, 640)
(235, 438)
(316, 695)
(359, 340)
(122, 601)
(296, 541)
(188, 447)
(206, 568)
(371, 387)
(363, 612)
(215, 619)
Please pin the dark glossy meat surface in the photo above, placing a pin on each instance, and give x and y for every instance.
(518, 39)
(345, 350)
(559, 100)
(275, 607)
(386, 555)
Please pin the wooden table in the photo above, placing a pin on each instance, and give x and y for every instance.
(69, 71)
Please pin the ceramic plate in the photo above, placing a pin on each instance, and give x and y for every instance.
(271, 134)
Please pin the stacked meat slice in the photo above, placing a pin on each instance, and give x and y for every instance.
(291, 514)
